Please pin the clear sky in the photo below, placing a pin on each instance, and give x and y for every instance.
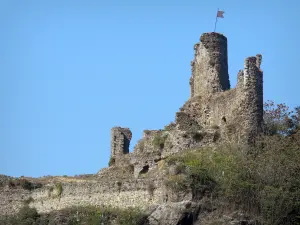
(70, 70)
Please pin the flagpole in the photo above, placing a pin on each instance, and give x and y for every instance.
(216, 20)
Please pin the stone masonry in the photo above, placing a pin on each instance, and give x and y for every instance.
(120, 141)
(214, 114)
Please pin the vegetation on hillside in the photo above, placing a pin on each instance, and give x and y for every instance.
(263, 180)
(77, 216)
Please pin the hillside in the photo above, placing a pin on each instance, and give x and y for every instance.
(226, 159)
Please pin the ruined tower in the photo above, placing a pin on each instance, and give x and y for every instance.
(240, 108)
(210, 65)
(214, 114)
(120, 140)
(252, 91)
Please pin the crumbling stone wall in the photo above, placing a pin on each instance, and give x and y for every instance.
(252, 106)
(120, 141)
(212, 102)
(213, 114)
(109, 188)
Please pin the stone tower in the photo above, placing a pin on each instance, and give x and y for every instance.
(120, 140)
(210, 65)
(214, 114)
(239, 109)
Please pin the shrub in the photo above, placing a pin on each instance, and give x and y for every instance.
(193, 175)
(87, 215)
(59, 189)
(159, 140)
(263, 180)
(24, 183)
(92, 215)
(197, 136)
(28, 213)
(279, 119)
(194, 133)
(177, 182)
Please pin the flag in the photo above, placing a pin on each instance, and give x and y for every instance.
(220, 14)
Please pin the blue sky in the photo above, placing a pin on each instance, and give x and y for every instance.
(71, 70)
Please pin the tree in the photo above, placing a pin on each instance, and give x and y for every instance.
(279, 119)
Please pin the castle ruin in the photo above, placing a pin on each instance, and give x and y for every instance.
(213, 114)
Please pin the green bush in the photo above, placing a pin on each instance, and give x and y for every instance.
(25, 216)
(159, 140)
(24, 183)
(177, 182)
(28, 213)
(59, 189)
(263, 180)
(92, 215)
(88, 215)
(279, 119)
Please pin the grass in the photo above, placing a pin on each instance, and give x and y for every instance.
(88, 215)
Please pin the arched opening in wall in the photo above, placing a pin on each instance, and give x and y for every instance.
(145, 169)
(188, 219)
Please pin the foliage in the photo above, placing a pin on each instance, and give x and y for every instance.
(177, 182)
(78, 215)
(263, 180)
(24, 183)
(279, 119)
(59, 189)
(27, 213)
(25, 216)
(159, 140)
(195, 134)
